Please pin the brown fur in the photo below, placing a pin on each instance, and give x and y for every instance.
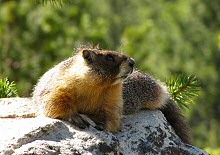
(176, 119)
(88, 83)
(141, 91)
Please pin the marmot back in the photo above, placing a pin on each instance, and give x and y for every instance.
(141, 91)
(88, 83)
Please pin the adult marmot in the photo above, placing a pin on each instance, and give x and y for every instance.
(88, 83)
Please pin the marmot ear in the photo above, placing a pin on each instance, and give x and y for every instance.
(88, 55)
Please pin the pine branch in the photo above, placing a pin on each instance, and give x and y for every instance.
(7, 89)
(183, 89)
(52, 2)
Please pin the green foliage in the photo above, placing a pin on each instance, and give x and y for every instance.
(183, 89)
(213, 151)
(7, 88)
(52, 2)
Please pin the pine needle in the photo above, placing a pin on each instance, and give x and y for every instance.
(183, 89)
(53, 2)
(7, 89)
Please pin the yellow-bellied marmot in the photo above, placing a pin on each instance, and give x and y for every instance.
(142, 91)
(88, 83)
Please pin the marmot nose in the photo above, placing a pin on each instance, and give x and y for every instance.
(131, 62)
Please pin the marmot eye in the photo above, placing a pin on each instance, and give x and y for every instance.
(110, 57)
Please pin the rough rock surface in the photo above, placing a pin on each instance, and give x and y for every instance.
(144, 133)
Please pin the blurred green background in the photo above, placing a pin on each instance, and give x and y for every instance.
(164, 37)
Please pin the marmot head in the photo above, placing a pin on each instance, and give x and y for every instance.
(109, 65)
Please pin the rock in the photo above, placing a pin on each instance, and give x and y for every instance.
(16, 107)
(148, 132)
(49, 136)
(144, 133)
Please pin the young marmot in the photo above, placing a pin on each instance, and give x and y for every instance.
(141, 91)
(88, 83)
